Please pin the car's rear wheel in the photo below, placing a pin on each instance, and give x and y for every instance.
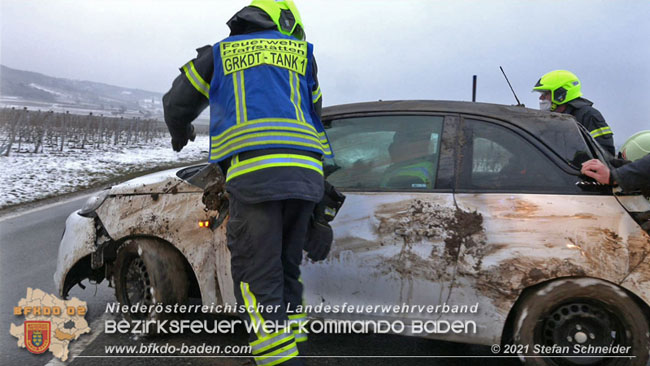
(579, 322)
(148, 272)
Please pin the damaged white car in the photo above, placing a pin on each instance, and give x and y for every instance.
(447, 203)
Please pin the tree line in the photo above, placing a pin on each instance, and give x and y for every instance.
(23, 130)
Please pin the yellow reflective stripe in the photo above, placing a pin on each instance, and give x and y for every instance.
(271, 161)
(215, 146)
(240, 142)
(242, 92)
(248, 126)
(234, 160)
(323, 138)
(235, 85)
(295, 321)
(203, 83)
(278, 356)
(251, 303)
(214, 155)
(298, 317)
(300, 337)
(273, 165)
(316, 95)
(601, 131)
(299, 124)
(196, 80)
(270, 341)
(603, 134)
(292, 97)
(240, 96)
(273, 126)
(302, 115)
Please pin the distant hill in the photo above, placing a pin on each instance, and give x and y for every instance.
(37, 91)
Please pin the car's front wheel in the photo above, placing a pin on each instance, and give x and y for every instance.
(148, 272)
(581, 322)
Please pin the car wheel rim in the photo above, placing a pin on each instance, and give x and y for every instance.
(581, 324)
(137, 289)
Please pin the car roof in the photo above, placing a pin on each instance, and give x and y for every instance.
(558, 131)
(498, 111)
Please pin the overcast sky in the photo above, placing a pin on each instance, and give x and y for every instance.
(366, 50)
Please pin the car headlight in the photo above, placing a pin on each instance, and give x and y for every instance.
(93, 203)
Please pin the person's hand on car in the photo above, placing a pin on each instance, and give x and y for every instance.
(595, 169)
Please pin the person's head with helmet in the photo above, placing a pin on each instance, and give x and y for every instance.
(636, 146)
(281, 15)
(556, 89)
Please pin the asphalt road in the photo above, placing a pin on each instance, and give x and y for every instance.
(28, 249)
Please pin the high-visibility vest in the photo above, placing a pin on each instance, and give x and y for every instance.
(261, 97)
(409, 174)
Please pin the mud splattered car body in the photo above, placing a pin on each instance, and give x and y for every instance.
(491, 207)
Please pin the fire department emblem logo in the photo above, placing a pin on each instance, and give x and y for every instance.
(37, 336)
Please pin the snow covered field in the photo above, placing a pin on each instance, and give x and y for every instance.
(28, 177)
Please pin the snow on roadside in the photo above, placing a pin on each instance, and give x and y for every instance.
(28, 177)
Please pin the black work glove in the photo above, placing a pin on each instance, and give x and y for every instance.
(179, 141)
(319, 233)
(319, 240)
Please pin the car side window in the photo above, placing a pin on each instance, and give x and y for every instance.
(499, 159)
(384, 152)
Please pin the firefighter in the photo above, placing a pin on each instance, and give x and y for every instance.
(266, 134)
(632, 176)
(560, 92)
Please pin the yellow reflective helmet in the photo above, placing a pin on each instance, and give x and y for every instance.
(563, 85)
(284, 14)
(636, 146)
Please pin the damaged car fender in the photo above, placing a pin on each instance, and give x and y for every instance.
(78, 242)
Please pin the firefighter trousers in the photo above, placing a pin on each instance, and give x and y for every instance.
(266, 241)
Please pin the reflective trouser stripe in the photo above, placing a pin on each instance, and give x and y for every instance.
(270, 341)
(299, 336)
(273, 160)
(296, 318)
(251, 307)
(278, 356)
(240, 96)
(196, 80)
(295, 321)
(601, 132)
(316, 94)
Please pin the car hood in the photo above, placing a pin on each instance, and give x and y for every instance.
(161, 182)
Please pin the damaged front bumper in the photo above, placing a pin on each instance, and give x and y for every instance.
(77, 244)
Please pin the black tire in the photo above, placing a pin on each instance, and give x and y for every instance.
(583, 312)
(149, 272)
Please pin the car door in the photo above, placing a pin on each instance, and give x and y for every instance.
(528, 220)
(389, 246)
